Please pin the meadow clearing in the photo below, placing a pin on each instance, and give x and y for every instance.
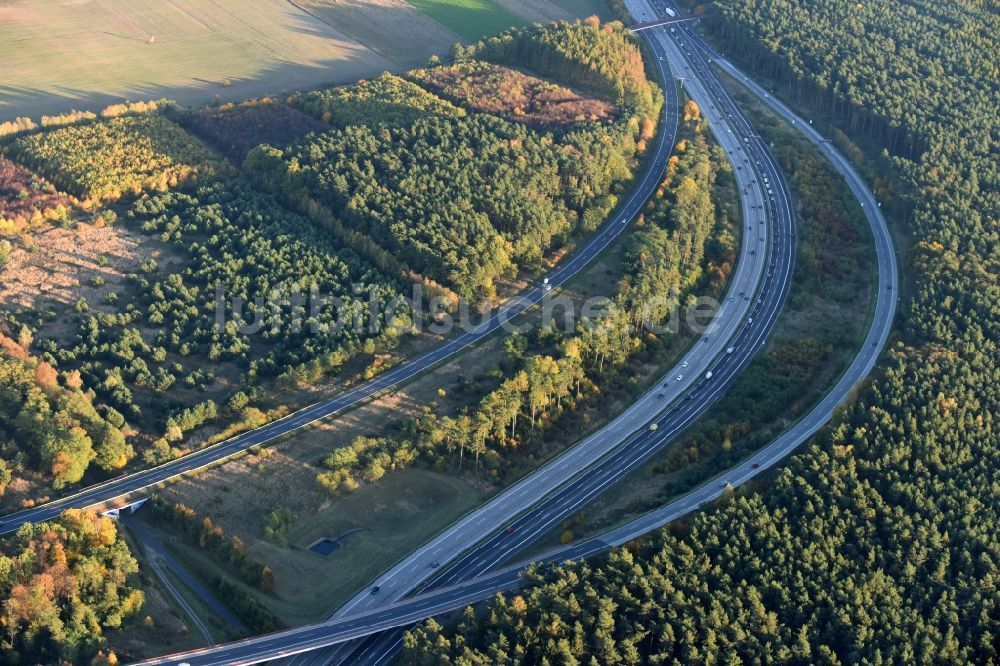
(63, 55)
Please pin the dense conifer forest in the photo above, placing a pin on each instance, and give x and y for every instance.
(878, 542)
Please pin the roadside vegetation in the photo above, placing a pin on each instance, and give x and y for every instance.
(62, 585)
(548, 377)
(813, 342)
(878, 541)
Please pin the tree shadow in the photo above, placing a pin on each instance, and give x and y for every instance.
(274, 76)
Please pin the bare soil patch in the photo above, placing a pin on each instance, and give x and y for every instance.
(57, 266)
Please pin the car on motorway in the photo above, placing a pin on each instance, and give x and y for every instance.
(375, 589)
(731, 350)
(653, 426)
(680, 377)
(684, 364)
(659, 396)
(510, 529)
(754, 466)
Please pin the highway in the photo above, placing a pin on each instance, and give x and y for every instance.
(560, 505)
(642, 188)
(769, 234)
(621, 450)
(626, 442)
(442, 595)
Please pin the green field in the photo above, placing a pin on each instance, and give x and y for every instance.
(472, 19)
(59, 54)
(399, 514)
(584, 8)
(64, 54)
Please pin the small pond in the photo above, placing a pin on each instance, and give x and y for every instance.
(324, 546)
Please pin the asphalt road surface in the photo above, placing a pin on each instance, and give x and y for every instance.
(769, 231)
(774, 223)
(441, 596)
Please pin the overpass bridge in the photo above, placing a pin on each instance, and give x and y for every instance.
(666, 20)
(131, 507)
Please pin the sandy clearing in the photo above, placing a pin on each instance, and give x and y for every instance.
(56, 265)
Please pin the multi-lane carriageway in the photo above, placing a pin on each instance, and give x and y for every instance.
(440, 597)
(528, 509)
(501, 544)
(769, 247)
(120, 487)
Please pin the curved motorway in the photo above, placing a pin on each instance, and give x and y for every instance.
(632, 451)
(540, 514)
(769, 233)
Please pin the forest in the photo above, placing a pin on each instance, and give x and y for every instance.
(106, 159)
(600, 60)
(62, 585)
(270, 263)
(548, 376)
(468, 223)
(48, 423)
(387, 100)
(28, 199)
(877, 542)
(233, 129)
(459, 179)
